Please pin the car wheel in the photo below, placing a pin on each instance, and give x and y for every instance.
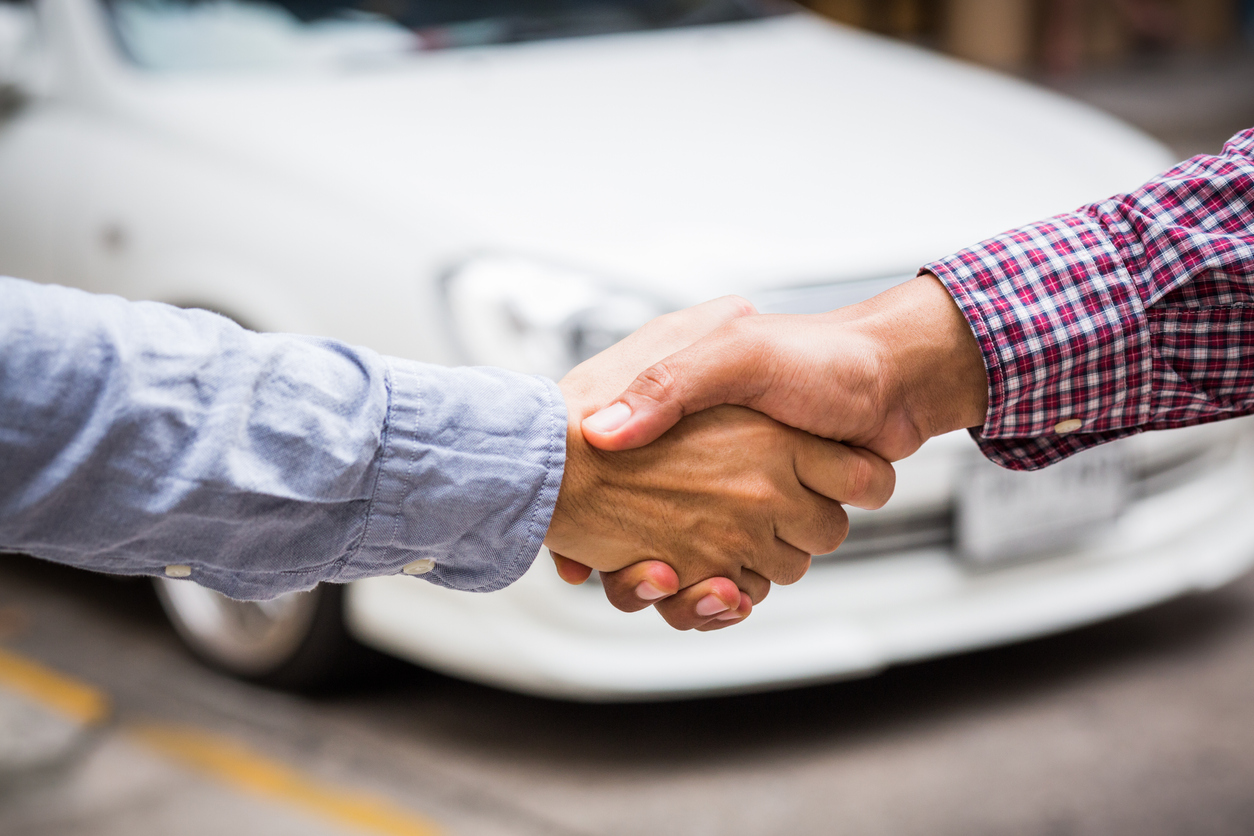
(294, 641)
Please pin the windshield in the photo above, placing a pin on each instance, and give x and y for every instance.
(296, 34)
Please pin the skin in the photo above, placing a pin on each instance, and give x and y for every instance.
(884, 375)
(726, 501)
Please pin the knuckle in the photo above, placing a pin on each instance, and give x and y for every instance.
(655, 383)
(869, 480)
(877, 479)
(859, 478)
(794, 570)
(740, 306)
(782, 566)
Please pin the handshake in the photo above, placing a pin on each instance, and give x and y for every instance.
(709, 454)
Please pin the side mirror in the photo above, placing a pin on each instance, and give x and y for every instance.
(18, 43)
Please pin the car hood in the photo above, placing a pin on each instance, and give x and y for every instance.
(778, 152)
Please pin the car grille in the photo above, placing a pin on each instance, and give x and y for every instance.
(1152, 473)
(1162, 471)
(873, 538)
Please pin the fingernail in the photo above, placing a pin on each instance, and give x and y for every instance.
(711, 605)
(608, 419)
(728, 616)
(648, 592)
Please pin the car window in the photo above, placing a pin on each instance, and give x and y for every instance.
(291, 34)
(18, 29)
(19, 39)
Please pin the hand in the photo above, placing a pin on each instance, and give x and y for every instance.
(885, 375)
(727, 492)
(707, 605)
(709, 498)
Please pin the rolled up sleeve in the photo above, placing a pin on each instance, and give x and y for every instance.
(1135, 313)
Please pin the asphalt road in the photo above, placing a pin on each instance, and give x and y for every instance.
(1143, 725)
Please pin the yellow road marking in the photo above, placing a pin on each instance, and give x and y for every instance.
(66, 696)
(222, 758)
(235, 765)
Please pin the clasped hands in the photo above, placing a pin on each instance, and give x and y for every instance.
(704, 453)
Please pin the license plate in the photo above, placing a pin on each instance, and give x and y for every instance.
(1004, 516)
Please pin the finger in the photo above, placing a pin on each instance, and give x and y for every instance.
(727, 619)
(717, 369)
(700, 603)
(640, 585)
(572, 572)
(849, 475)
(684, 614)
(812, 522)
(599, 380)
(754, 585)
(781, 562)
(671, 332)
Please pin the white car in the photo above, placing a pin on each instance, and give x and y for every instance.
(521, 183)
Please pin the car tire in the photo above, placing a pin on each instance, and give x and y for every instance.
(296, 641)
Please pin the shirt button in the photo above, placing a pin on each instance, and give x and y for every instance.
(419, 567)
(176, 571)
(1068, 426)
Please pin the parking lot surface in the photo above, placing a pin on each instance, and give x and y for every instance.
(1144, 725)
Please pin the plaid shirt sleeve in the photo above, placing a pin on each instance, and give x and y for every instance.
(1132, 314)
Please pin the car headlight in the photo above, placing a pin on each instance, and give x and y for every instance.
(537, 318)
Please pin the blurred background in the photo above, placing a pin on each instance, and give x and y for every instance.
(1181, 69)
(1096, 680)
(1058, 38)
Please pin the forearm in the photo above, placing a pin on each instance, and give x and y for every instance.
(136, 436)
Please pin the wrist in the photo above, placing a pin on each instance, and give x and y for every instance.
(932, 374)
(581, 478)
(563, 522)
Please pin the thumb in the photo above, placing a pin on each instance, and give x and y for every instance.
(711, 371)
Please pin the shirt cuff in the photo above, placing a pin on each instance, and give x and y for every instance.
(471, 463)
(1061, 326)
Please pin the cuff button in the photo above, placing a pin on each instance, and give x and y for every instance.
(1068, 426)
(419, 567)
(177, 571)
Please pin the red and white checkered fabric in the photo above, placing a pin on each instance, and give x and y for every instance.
(1132, 314)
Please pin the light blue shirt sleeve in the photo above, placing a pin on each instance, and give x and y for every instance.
(135, 435)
